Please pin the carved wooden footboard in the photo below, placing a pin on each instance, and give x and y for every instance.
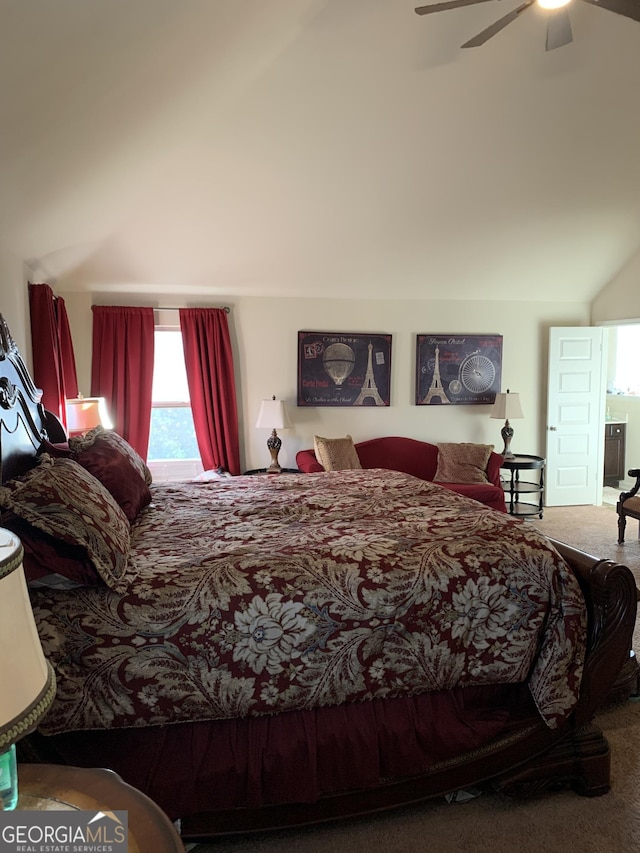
(581, 757)
(611, 595)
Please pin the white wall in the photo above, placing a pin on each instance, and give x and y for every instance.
(620, 299)
(14, 302)
(524, 327)
(264, 334)
(78, 307)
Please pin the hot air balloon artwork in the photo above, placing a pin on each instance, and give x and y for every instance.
(341, 369)
(339, 360)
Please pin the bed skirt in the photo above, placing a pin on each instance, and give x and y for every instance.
(294, 757)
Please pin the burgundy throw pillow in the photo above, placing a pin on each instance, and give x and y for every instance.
(116, 468)
(81, 442)
(61, 499)
(58, 451)
(48, 561)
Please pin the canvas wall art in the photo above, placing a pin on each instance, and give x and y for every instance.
(344, 369)
(457, 369)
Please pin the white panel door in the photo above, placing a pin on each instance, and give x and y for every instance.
(575, 416)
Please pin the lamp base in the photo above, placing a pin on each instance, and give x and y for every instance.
(507, 434)
(274, 443)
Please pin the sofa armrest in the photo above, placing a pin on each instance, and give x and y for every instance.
(307, 462)
(493, 469)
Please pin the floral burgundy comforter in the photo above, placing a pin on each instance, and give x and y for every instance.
(254, 595)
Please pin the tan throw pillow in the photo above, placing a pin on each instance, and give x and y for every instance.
(336, 454)
(463, 463)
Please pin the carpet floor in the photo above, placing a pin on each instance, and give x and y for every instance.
(490, 823)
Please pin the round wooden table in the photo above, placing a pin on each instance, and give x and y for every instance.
(53, 787)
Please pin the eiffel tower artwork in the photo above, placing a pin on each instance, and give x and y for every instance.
(436, 391)
(369, 387)
(334, 369)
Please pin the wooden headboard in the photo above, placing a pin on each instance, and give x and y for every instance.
(24, 422)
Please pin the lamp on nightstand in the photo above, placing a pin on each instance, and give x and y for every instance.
(27, 682)
(85, 413)
(273, 415)
(507, 406)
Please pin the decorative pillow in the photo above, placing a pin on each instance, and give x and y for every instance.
(214, 474)
(336, 454)
(463, 463)
(61, 499)
(117, 468)
(83, 442)
(51, 562)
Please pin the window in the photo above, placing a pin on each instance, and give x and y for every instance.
(627, 355)
(173, 449)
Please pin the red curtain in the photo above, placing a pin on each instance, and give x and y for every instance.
(54, 364)
(122, 369)
(209, 363)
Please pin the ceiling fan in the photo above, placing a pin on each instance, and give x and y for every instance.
(558, 24)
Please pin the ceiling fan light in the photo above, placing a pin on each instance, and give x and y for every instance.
(553, 4)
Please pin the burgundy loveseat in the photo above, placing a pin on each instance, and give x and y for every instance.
(420, 459)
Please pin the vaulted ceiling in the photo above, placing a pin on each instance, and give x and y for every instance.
(317, 147)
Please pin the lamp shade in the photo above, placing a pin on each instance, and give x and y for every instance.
(85, 413)
(507, 407)
(27, 681)
(273, 415)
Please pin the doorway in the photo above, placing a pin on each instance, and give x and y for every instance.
(575, 415)
(616, 409)
(622, 406)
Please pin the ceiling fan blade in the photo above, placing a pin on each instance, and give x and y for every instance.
(500, 24)
(451, 4)
(558, 29)
(628, 8)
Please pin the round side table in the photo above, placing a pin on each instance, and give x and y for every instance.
(53, 787)
(516, 488)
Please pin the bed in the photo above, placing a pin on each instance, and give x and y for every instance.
(269, 651)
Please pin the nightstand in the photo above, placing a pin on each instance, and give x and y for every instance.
(53, 787)
(533, 488)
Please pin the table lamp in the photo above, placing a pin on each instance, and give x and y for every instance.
(85, 413)
(273, 415)
(27, 681)
(507, 406)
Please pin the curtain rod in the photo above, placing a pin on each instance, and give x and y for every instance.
(225, 308)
